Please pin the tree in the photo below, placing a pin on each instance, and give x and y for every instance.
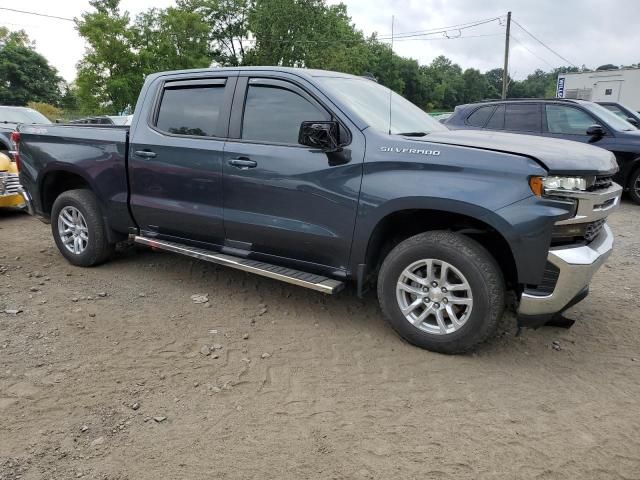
(170, 39)
(25, 75)
(227, 22)
(494, 80)
(476, 86)
(303, 33)
(608, 66)
(108, 78)
(122, 53)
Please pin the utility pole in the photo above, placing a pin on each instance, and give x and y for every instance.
(505, 71)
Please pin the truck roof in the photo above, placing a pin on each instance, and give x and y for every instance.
(301, 72)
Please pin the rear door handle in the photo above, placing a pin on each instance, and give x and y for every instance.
(243, 163)
(145, 154)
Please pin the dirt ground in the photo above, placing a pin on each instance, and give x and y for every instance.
(115, 373)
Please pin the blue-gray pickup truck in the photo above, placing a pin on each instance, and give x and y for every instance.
(318, 179)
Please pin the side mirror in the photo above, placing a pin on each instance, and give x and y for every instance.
(596, 131)
(323, 135)
(633, 122)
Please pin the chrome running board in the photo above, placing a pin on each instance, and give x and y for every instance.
(289, 275)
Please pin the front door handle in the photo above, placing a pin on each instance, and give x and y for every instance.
(243, 163)
(145, 154)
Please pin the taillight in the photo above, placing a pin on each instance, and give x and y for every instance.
(15, 139)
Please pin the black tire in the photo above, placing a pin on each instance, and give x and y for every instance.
(472, 260)
(98, 248)
(634, 186)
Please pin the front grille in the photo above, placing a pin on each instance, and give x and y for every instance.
(593, 229)
(601, 183)
(9, 183)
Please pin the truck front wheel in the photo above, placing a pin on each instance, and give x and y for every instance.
(78, 228)
(441, 291)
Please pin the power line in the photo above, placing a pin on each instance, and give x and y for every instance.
(545, 45)
(444, 30)
(38, 14)
(441, 29)
(448, 38)
(530, 51)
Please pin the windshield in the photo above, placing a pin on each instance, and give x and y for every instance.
(21, 115)
(613, 120)
(370, 101)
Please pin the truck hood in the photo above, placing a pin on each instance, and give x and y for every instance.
(557, 156)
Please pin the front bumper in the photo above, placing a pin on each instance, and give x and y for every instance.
(577, 266)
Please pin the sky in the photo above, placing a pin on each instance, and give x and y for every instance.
(589, 32)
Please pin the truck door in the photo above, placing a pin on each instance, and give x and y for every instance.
(175, 159)
(283, 199)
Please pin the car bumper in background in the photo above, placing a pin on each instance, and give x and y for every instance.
(10, 190)
(7, 201)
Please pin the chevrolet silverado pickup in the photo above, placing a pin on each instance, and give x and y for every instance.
(318, 179)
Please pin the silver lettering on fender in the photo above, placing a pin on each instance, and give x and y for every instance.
(417, 151)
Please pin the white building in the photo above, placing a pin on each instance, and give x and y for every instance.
(622, 86)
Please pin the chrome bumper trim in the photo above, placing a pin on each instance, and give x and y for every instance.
(591, 206)
(28, 201)
(577, 267)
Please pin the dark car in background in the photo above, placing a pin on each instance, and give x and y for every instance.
(623, 112)
(10, 118)
(576, 120)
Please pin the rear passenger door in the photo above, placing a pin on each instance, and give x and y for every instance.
(175, 158)
(282, 200)
(524, 118)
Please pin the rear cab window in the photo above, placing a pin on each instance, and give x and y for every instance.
(480, 116)
(496, 122)
(191, 108)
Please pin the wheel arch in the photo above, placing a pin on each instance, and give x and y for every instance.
(57, 181)
(398, 224)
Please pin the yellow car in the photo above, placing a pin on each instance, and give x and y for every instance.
(9, 183)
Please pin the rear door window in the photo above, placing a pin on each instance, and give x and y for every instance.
(567, 120)
(522, 118)
(191, 110)
(479, 117)
(496, 122)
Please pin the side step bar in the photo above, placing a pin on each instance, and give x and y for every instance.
(289, 275)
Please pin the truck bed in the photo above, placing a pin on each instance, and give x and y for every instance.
(96, 154)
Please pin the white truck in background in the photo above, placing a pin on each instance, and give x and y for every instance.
(619, 86)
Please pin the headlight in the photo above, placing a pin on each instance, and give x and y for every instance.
(542, 185)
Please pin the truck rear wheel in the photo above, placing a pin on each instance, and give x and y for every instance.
(79, 230)
(441, 291)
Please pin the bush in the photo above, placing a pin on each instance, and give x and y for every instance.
(52, 112)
